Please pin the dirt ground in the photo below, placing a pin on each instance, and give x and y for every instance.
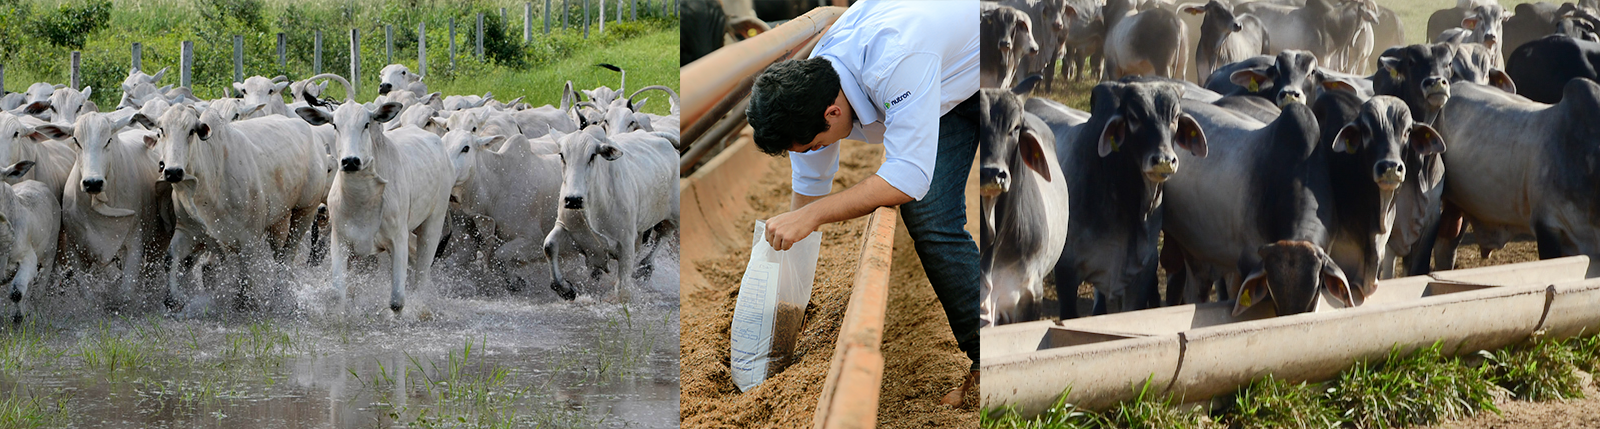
(1573, 413)
(922, 362)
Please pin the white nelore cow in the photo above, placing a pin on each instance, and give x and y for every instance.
(614, 188)
(245, 189)
(514, 188)
(52, 158)
(392, 193)
(396, 76)
(30, 225)
(112, 209)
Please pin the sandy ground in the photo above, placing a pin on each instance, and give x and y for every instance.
(922, 362)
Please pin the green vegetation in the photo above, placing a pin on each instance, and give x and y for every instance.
(1420, 388)
(20, 409)
(36, 39)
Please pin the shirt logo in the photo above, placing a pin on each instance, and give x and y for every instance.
(896, 100)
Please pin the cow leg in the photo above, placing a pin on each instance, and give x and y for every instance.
(338, 267)
(1172, 261)
(1445, 233)
(1067, 282)
(400, 258)
(427, 242)
(627, 250)
(319, 237)
(300, 222)
(179, 253)
(26, 270)
(1549, 242)
(552, 251)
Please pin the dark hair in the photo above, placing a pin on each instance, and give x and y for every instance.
(788, 101)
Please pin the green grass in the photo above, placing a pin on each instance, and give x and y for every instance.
(1423, 387)
(535, 70)
(20, 409)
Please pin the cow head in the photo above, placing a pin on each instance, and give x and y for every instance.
(396, 76)
(1056, 12)
(1143, 124)
(1474, 63)
(582, 154)
(177, 132)
(15, 136)
(463, 148)
(1015, 33)
(1419, 75)
(92, 134)
(622, 117)
(1219, 18)
(1487, 22)
(67, 103)
(1293, 77)
(265, 92)
(1380, 135)
(8, 267)
(1005, 141)
(359, 131)
(1290, 274)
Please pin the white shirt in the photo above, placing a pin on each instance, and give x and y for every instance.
(901, 65)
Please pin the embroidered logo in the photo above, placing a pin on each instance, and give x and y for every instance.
(896, 100)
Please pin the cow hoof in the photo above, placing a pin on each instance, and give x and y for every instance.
(566, 293)
(396, 307)
(16, 319)
(16, 296)
(172, 303)
(596, 272)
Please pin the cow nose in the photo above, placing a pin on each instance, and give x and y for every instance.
(995, 181)
(1390, 173)
(1433, 82)
(1163, 164)
(1290, 95)
(173, 175)
(93, 186)
(383, 88)
(573, 202)
(351, 164)
(1005, 46)
(1237, 27)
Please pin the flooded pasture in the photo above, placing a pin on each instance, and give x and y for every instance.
(463, 354)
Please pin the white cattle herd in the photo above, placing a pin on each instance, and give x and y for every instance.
(1309, 150)
(167, 183)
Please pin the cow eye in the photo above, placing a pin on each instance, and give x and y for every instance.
(465, 148)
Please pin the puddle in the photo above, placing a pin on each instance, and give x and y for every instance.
(464, 355)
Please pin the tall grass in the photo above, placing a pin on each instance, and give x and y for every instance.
(510, 67)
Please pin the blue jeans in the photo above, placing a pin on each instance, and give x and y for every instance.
(938, 226)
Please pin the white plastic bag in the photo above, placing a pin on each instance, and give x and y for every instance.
(771, 307)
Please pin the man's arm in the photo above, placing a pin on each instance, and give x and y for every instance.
(808, 213)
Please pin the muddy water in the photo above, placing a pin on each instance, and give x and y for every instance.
(464, 354)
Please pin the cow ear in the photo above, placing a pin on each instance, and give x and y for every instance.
(89, 106)
(1426, 140)
(158, 75)
(1193, 8)
(238, 88)
(280, 86)
(1339, 85)
(1252, 292)
(87, 91)
(487, 141)
(36, 107)
(1391, 65)
(1470, 21)
(313, 115)
(640, 105)
(1500, 79)
(1113, 136)
(1069, 12)
(53, 131)
(1334, 280)
(1033, 155)
(609, 152)
(387, 111)
(1348, 140)
(1027, 84)
(16, 171)
(555, 135)
(203, 131)
(149, 141)
(432, 98)
(1254, 79)
(1190, 136)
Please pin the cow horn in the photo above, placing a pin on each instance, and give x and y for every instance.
(349, 90)
(672, 95)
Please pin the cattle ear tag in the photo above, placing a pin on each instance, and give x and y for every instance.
(1254, 86)
(1394, 74)
(1244, 298)
(1114, 146)
(1349, 147)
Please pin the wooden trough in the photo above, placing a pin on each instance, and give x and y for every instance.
(1199, 351)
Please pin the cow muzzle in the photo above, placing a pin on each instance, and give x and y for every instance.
(350, 164)
(1389, 174)
(173, 175)
(1162, 167)
(94, 185)
(572, 202)
(384, 88)
(1437, 90)
(1290, 96)
(995, 181)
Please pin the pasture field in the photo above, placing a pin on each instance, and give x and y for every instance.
(32, 51)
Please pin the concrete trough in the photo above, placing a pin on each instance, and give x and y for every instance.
(1200, 351)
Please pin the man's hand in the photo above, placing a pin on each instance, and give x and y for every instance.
(786, 229)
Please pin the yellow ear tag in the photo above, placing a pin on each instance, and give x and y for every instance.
(1114, 146)
(1394, 74)
(1254, 87)
(1244, 297)
(1349, 147)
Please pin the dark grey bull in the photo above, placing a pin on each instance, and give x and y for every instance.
(1024, 200)
(1009, 31)
(1118, 163)
(1531, 167)
(1225, 37)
